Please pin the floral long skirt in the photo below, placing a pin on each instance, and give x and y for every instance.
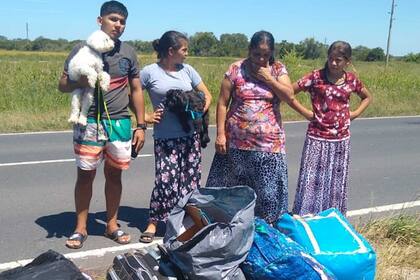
(265, 173)
(323, 176)
(177, 172)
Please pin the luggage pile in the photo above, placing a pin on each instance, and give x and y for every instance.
(212, 234)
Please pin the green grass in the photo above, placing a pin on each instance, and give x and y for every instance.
(29, 99)
(396, 241)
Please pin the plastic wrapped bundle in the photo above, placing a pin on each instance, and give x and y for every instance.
(275, 256)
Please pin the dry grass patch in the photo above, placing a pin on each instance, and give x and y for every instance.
(397, 244)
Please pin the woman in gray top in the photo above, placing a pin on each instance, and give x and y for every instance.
(177, 152)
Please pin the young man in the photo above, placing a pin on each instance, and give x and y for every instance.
(108, 132)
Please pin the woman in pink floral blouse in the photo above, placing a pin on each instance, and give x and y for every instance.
(323, 176)
(250, 143)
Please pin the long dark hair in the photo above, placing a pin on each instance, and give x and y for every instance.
(341, 47)
(263, 37)
(169, 39)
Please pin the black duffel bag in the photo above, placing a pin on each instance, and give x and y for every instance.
(47, 266)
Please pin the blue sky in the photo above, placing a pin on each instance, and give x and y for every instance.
(360, 22)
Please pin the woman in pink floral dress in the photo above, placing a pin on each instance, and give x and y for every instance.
(323, 176)
(250, 143)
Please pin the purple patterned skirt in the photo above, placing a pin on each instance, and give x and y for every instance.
(177, 172)
(323, 176)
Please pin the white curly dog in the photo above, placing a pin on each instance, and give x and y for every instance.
(88, 62)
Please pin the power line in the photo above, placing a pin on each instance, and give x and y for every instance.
(391, 19)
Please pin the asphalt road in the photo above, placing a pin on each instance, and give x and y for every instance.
(36, 197)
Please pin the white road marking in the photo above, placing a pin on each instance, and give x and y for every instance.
(103, 251)
(212, 125)
(384, 208)
(50, 161)
(35, 133)
(42, 132)
(85, 254)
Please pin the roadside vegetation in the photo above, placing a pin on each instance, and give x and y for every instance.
(396, 241)
(30, 101)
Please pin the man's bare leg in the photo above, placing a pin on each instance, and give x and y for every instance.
(113, 190)
(82, 197)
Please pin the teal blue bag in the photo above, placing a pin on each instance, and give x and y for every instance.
(333, 242)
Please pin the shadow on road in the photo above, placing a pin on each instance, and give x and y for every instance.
(138, 218)
(59, 225)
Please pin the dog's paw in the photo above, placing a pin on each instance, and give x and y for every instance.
(104, 81)
(73, 118)
(92, 81)
(82, 120)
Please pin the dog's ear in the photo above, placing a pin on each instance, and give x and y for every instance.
(100, 41)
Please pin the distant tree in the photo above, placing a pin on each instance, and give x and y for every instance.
(376, 54)
(142, 46)
(6, 45)
(235, 45)
(3, 38)
(311, 49)
(412, 57)
(39, 44)
(360, 53)
(283, 48)
(203, 44)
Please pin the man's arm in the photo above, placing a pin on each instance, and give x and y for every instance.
(137, 104)
(66, 85)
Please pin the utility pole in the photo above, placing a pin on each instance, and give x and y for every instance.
(391, 18)
(27, 31)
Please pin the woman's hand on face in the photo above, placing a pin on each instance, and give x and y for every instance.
(263, 74)
(259, 73)
(155, 117)
(220, 144)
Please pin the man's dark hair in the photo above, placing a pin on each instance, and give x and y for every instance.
(111, 7)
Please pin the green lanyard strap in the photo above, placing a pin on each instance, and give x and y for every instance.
(101, 99)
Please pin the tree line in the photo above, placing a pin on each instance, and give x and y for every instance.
(207, 44)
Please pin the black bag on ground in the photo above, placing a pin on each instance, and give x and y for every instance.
(221, 241)
(144, 264)
(47, 266)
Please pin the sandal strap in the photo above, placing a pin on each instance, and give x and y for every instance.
(116, 234)
(77, 236)
(119, 232)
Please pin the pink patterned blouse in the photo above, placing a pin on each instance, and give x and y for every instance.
(330, 103)
(253, 120)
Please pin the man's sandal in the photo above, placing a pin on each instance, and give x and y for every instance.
(116, 236)
(147, 237)
(76, 236)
